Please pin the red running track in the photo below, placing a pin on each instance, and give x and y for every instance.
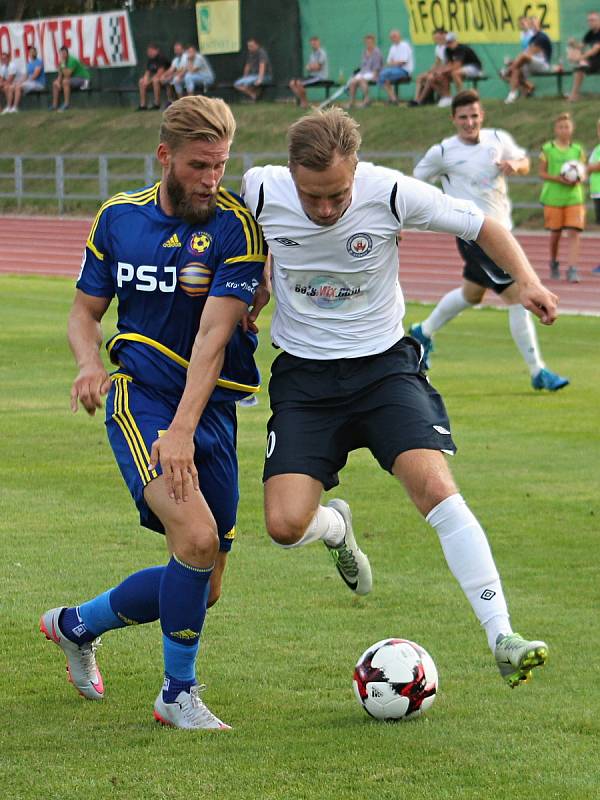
(429, 263)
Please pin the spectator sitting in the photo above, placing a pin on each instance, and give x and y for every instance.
(10, 74)
(195, 73)
(370, 67)
(34, 81)
(399, 65)
(169, 75)
(534, 60)
(590, 57)
(156, 66)
(257, 70)
(462, 62)
(423, 89)
(317, 70)
(71, 75)
(526, 34)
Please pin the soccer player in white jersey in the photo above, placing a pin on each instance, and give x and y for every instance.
(347, 377)
(473, 165)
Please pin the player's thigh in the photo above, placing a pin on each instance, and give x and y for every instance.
(426, 476)
(190, 527)
(216, 462)
(481, 270)
(406, 413)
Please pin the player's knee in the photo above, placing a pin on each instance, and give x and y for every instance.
(200, 547)
(283, 528)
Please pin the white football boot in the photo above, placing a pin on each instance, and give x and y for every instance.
(82, 669)
(188, 712)
(350, 561)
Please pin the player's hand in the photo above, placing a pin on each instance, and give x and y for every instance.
(567, 182)
(261, 298)
(507, 167)
(174, 451)
(88, 388)
(540, 301)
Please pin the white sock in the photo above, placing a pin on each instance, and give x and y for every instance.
(523, 332)
(327, 524)
(449, 307)
(471, 562)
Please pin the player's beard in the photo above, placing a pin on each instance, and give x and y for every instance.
(183, 204)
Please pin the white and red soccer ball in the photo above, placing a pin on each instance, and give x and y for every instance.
(395, 679)
(573, 171)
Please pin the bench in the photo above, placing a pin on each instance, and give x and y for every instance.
(396, 84)
(558, 73)
(475, 80)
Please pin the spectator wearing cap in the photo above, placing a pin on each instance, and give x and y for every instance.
(462, 62)
(398, 67)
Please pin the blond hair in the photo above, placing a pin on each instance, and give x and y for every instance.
(565, 115)
(196, 117)
(315, 140)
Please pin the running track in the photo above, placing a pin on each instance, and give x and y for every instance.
(430, 264)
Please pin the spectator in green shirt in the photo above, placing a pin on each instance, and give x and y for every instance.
(71, 75)
(562, 199)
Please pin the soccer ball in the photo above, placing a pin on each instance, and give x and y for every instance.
(395, 679)
(573, 171)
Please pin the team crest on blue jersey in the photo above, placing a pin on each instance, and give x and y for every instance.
(195, 279)
(199, 242)
(359, 245)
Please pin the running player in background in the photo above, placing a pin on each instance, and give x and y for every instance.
(184, 258)
(563, 201)
(347, 377)
(474, 165)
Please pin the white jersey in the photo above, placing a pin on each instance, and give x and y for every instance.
(470, 171)
(337, 288)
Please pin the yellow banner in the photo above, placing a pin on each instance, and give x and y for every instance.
(218, 23)
(479, 21)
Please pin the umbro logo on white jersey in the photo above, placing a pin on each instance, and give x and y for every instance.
(172, 241)
(439, 429)
(287, 242)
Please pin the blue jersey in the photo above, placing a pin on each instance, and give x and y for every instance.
(162, 270)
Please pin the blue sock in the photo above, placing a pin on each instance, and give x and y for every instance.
(132, 602)
(135, 600)
(183, 597)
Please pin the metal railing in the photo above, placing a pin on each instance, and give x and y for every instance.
(74, 177)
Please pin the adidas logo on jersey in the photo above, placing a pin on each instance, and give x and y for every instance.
(172, 241)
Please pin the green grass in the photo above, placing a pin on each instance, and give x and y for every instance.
(262, 128)
(279, 648)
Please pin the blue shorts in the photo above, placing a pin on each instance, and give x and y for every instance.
(135, 414)
(393, 74)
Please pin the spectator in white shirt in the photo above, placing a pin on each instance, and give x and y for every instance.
(196, 73)
(11, 72)
(167, 79)
(399, 65)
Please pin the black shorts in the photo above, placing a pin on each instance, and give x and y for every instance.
(322, 410)
(480, 269)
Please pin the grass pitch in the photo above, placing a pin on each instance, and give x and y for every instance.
(279, 648)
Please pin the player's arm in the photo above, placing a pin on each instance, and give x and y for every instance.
(175, 448)
(545, 175)
(514, 166)
(85, 340)
(431, 165)
(502, 247)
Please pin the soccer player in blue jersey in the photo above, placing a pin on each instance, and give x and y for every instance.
(184, 258)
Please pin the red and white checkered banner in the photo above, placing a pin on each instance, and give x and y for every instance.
(97, 40)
